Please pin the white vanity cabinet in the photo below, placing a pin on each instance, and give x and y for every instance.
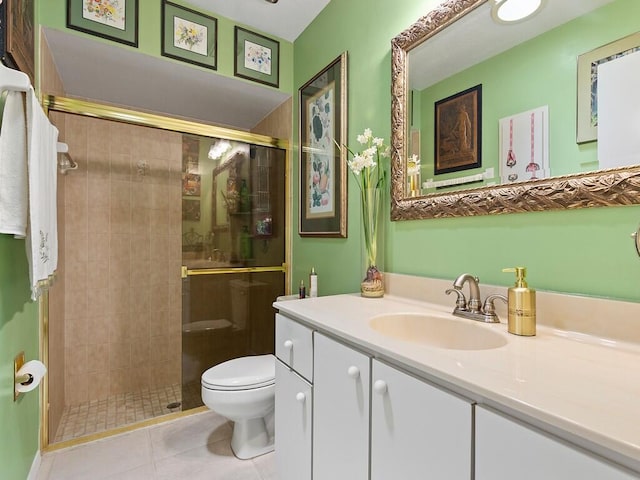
(507, 449)
(340, 411)
(417, 429)
(294, 399)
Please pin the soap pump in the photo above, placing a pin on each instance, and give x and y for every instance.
(521, 305)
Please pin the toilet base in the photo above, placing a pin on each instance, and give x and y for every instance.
(251, 438)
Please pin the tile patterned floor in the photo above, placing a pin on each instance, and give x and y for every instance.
(116, 411)
(196, 447)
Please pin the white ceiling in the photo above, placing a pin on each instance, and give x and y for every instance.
(476, 37)
(286, 19)
(111, 74)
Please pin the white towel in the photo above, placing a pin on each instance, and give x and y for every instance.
(13, 167)
(42, 238)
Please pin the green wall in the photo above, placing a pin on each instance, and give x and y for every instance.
(19, 421)
(53, 15)
(585, 251)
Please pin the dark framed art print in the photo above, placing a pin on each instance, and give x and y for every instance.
(115, 20)
(458, 135)
(256, 58)
(189, 36)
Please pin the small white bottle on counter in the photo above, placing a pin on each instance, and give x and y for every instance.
(313, 283)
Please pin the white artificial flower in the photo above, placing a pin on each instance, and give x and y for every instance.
(413, 165)
(370, 152)
(386, 152)
(378, 142)
(362, 139)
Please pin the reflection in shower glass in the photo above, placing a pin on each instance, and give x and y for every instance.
(233, 212)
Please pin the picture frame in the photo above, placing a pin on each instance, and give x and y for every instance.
(189, 36)
(322, 164)
(17, 35)
(458, 131)
(109, 19)
(257, 57)
(190, 210)
(191, 184)
(587, 88)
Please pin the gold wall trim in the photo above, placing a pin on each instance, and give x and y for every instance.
(43, 346)
(119, 114)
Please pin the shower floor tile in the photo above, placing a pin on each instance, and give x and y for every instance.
(116, 411)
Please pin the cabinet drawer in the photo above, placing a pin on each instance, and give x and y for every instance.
(294, 346)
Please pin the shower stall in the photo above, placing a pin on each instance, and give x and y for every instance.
(173, 248)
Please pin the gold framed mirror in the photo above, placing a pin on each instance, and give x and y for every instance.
(610, 187)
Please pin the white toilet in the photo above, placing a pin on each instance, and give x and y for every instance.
(243, 390)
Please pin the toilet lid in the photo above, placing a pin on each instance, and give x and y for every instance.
(241, 373)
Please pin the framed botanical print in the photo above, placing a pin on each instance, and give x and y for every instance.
(458, 135)
(587, 114)
(189, 36)
(115, 20)
(256, 58)
(323, 165)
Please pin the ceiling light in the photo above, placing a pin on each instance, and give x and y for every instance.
(218, 149)
(512, 11)
(272, 1)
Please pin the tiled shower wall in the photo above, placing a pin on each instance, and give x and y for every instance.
(123, 256)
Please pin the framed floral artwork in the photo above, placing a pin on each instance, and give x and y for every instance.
(587, 105)
(189, 36)
(323, 165)
(458, 131)
(191, 184)
(115, 20)
(256, 58)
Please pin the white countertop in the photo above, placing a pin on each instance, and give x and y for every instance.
(576, 386)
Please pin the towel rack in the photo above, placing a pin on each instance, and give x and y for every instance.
(18, 81)
(11, 79)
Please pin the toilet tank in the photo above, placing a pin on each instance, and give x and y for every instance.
(244, 295)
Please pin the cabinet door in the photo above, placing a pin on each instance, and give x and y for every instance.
(506, 450)
(340, 411)
(417, 430)
(292, 425)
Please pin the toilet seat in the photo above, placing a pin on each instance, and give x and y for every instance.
(245, 373)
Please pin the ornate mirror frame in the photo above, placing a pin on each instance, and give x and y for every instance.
(613, 187)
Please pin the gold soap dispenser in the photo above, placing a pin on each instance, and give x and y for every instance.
(521, 304)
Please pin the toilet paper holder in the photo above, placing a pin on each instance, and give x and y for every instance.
(25, 379)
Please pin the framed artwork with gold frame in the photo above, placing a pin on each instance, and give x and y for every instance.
(323, 165)
(587, 102)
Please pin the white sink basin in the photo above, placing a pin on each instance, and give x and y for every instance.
(435, 331)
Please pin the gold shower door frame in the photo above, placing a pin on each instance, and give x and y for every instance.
(109, 112)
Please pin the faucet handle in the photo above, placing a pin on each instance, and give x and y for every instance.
(489, 309)
(461, 301)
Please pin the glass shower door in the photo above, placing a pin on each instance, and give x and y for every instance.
(233, 253)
